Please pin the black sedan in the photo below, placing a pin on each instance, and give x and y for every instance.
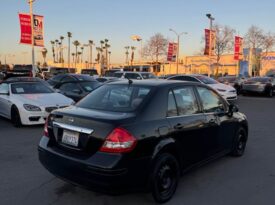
(76, 90)
(62, 78)
(141, 135)
(261, 85)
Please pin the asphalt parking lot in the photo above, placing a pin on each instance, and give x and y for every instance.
(246, 180)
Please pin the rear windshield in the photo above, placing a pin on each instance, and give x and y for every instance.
(206, 80)
(30, 88)
(262, 80)
(116, 98)
(83, 77)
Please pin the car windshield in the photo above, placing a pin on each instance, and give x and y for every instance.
(83, 77)
(89, 86)
(262, 80)
(30, 88)
(206, 80)
(116, 98)
(148, 76)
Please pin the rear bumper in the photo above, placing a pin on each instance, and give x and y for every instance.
(90, 173)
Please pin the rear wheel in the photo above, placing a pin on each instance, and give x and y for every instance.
(164, 178)
(270, 93)
(15, 117)
(240, 143)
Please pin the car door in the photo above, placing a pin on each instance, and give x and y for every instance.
(71, 90)
(5, 103)
(187, 123)
(220, 127)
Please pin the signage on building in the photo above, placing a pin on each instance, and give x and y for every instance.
(26, 29)
(238, 48)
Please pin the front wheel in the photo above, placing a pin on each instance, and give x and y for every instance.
(164, 178)
(270, 93)
(15, 117)
(239, 143)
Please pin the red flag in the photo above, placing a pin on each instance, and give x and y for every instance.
(238, 47)
(207, 42)
(26, 29)
(38, 30)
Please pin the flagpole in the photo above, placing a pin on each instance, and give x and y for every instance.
(32, 36)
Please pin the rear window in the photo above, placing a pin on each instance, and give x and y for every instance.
(30, 88)
(116, 98)
(117, 75)
(83, 77)
(148, 76)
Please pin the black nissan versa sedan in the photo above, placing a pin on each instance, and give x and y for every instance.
(141, 135)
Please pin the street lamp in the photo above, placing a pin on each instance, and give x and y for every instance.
(178, 48)
(139, 39)
(211, 18)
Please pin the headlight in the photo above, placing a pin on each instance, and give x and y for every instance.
(31, 107)
(221, 90)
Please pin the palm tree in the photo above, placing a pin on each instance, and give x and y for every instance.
(78, 56)
(98, 49)
(52, 42)
(61, 49)
(73, 54)
(69, 34)
(133, 54)
(82, 51)
(76, 44)
(56, 49)
(127, 54)
(109, 58)
(44, 52)
(91, 43)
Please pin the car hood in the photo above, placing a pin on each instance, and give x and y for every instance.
(221, 86)
(47, 99)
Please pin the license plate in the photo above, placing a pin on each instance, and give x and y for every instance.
(70, 138)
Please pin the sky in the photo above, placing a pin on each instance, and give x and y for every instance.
(118, 20)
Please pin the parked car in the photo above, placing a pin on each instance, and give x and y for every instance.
(20, 71)
(76, 90)
(234, 81)
(135, 75)
(226, 91)
(29, 101)
(111, 72)
(262, 85)
(62, 78)
(104, 79)
(91, 72)
(140, 135)
(53, 71)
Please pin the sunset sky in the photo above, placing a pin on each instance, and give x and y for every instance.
(117, 20)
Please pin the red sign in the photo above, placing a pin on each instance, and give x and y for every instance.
(210, 39)
(172, 52)
(26, 29)
(238, 47)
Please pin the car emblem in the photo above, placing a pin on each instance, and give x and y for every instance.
(71, 119)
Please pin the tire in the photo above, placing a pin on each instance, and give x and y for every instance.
(15, 117)
(239, 143)
(270, 93)
(164, 178)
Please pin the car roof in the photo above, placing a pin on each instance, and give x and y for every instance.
(22, 80)
(154, 82)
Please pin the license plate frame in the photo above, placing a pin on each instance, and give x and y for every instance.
(70, 138)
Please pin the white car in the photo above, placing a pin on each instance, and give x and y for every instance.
(226, 91)
(28, 101)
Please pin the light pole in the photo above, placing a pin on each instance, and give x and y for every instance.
(33, 57)
(211, 19)
(178, 48)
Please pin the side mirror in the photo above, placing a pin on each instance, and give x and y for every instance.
(232, 108)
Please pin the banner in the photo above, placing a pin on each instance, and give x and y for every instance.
(26, 29)
(172, 52)
(238, 48)
(38, 30)
(210, 39)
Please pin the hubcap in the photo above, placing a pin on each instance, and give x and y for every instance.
(241, 142)
(166, 179)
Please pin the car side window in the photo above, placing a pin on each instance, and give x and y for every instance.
(132, 76)
(211, 102)
(172, 107)
(4, 87)
(186, 101)
(69, 87)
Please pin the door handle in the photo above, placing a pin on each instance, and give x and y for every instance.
(178, 126)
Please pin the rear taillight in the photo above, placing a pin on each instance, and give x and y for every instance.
(46, 133)
(119, 141)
